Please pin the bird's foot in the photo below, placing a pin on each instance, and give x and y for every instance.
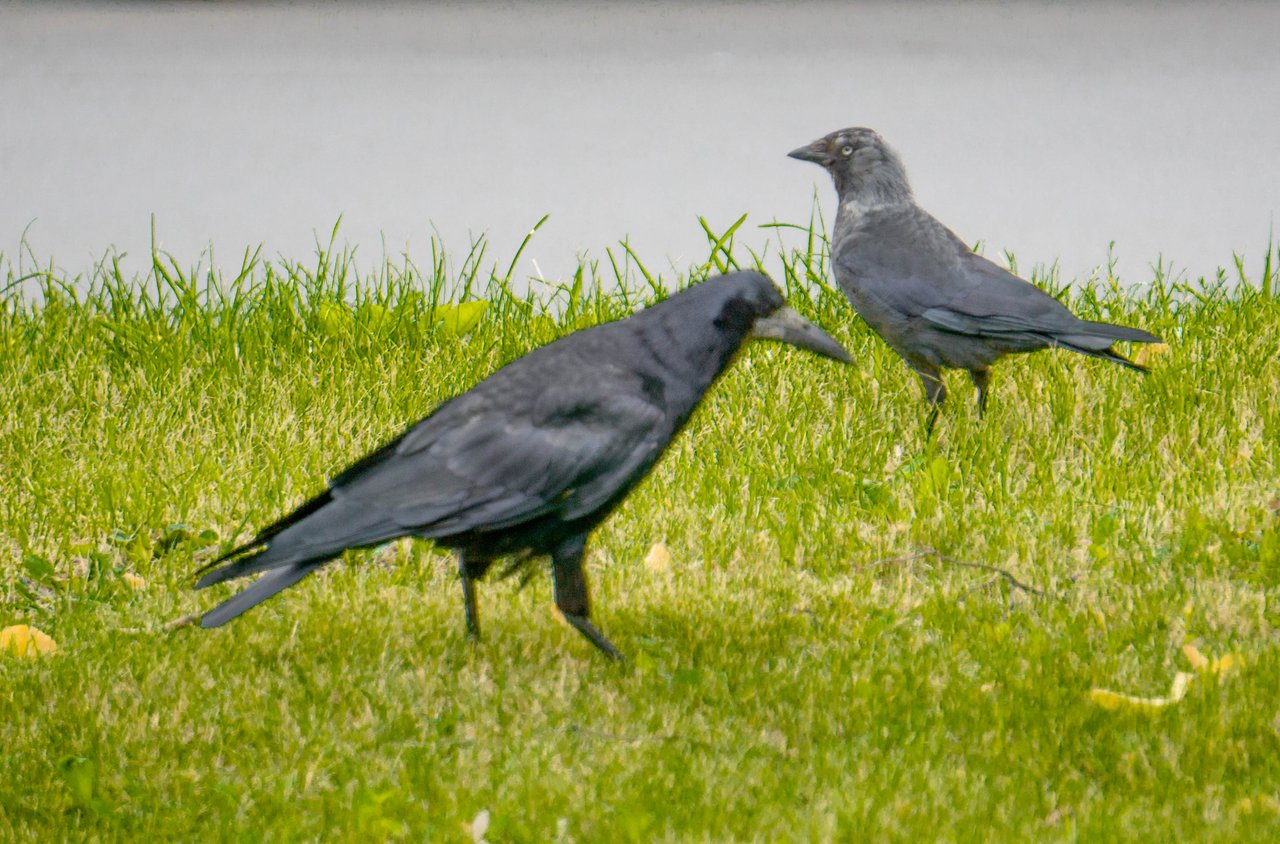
(584, 626)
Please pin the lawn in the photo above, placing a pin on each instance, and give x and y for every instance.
(858, 633)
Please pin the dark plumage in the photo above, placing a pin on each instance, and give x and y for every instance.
(933, 300)
(531, 459)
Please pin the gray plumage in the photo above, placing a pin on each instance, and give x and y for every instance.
(531, 459)
(921, 288)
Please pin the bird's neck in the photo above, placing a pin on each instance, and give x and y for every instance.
(870, 190)
(690, 368)
(854, 208)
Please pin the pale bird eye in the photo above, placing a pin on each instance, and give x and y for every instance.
(846, 151)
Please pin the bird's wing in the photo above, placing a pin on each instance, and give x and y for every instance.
(490, 469)
(908, 261)
(896, 262)
(991, 301)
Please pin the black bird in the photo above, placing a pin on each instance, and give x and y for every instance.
(933, 300)
(531, 459)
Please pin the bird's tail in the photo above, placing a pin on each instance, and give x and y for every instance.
(292, 549)
(1117, 332)
(262, 589)
(1095, 339)
(323, 533)
(1106, 353)
(237, 564)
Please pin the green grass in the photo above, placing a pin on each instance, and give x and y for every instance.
(789, 679)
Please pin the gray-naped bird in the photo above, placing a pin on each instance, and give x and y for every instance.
(921, 288)
(526, 463)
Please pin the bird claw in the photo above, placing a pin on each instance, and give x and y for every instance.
(584, 626)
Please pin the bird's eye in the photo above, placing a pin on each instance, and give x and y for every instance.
(846, 150)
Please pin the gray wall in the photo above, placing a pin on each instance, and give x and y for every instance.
(1048, 130)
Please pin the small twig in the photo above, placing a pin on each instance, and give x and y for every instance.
(174, 624)
(183, 621)
(992, 581)
(1013, 581)
(905, 558)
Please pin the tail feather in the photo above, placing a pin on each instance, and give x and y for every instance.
(304, 510)
(1106, 354)
(214, 563)
(1118, 332)
(325, 533)
(262, 589)
(240, 567)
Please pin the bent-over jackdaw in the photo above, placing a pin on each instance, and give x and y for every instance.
(531, 459)
(933, 300)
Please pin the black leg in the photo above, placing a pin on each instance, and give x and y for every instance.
(935, 392)
(981, 378)
(469, 596)
(571, 593)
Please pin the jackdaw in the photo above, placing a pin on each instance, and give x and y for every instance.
(526, 463)
(933, 300)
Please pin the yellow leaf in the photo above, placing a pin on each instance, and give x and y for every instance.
(1198, 661)
(1204, 664)
(658, 560)
(478, 826)
(457, 320)
(26, 642)
(1108, 699)
(134, 582)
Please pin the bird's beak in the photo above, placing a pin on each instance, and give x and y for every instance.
(789, 327)
(815, 152)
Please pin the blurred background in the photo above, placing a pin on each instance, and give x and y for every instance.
(1048, 130)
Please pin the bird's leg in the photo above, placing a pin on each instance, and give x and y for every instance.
(571, 593)
(981, 378)
(935, 392)
(469, 596)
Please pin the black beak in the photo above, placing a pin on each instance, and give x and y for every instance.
(789, 327)
(815, 152)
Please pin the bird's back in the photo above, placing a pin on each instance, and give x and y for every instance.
(560, 434)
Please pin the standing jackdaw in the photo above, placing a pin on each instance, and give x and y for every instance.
(531, 459)
(933, 300)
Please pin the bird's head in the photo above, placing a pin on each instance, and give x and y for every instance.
(864, 168)
(755, 306)
(705, 325)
